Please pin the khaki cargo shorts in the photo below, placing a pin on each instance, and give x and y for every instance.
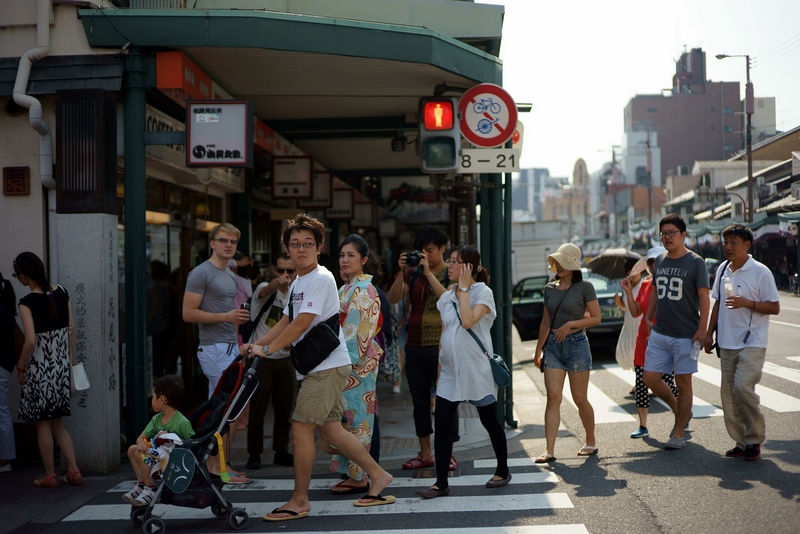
(320, 397)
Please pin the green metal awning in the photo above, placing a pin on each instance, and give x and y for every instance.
(312, 70)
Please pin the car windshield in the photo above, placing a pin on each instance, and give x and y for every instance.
(602, 285)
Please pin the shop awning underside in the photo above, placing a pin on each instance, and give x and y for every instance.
(339, 89)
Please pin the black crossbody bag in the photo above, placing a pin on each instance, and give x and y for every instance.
(552, 321)
(318, 344)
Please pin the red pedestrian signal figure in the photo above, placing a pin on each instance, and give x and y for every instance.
(438, 115)
(439, 135)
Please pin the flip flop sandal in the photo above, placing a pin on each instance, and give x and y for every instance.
(347, 489)
(586, 450)
(75, 478)
(291, 515)
(418, 463)
(47, 482)
(237, 479)
(375, 500)
(545, 459)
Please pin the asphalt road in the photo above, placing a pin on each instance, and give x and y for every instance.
(631, 486)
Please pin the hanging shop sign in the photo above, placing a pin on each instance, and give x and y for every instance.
(219, 133)
(292, 176)
(321, 189)
(342, 205)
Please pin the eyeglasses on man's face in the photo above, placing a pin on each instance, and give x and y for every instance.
(669, 233)
(281, 271)
(225, 240)
(307, 244)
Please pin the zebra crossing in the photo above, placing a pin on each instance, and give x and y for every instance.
(263, 495)
(608, 410)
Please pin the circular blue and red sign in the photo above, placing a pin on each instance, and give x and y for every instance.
(488, 115)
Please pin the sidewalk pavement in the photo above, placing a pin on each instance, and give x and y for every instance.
(24, 505)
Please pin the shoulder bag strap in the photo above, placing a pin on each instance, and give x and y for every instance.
(266, 305)
(291, 306)
(553, 318)
(469, 330)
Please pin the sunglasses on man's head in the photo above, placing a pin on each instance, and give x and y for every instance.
(281, 271)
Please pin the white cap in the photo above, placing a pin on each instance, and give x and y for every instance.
(655, 252)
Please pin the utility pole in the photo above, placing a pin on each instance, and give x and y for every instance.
(749, 108)
(649, 180)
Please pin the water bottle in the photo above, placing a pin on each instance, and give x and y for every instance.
(695, 350)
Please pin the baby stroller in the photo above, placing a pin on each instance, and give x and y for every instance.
(185, 480)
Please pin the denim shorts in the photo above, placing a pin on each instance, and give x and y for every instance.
(571, 355)
(666, 354)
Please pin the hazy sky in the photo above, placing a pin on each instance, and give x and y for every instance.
(579, 62)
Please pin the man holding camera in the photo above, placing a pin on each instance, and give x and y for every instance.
(424, 280)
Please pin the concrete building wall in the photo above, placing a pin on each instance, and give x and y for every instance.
(764, 121)
(18, 30)
(634, 156)
(690, 127)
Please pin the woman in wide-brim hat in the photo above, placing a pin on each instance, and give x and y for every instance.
(563, 349)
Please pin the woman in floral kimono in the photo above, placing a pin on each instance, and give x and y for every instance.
(359, 307)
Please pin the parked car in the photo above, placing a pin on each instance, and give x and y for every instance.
(611, 317)
(527, 306)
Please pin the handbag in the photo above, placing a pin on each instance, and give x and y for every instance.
(78, 380)
(719, 297)
(317, 345)
(389, 369)
(552, 320)
(500, 372)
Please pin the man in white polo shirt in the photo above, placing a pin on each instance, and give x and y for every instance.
(747, 289)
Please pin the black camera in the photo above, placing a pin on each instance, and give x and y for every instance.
(412, 258)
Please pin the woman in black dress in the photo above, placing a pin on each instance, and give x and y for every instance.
(43, 368)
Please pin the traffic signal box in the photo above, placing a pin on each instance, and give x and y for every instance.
(439, 134)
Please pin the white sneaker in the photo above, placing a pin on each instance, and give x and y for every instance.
(5, 469)
(145, 497)
(132, 494)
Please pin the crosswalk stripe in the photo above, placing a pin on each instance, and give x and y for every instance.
(774, 400)
(513, 462)
(787, 373)
(528, 529)
(700, 408)
(605, 409)
(773, 321)
(488, 503)
(398, 482)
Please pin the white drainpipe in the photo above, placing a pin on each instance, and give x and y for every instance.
(37, 123)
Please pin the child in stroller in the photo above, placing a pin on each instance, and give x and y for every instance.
(186, 480)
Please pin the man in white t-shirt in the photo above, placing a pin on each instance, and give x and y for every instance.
(742, 326)
(313, 298)
(276, 373)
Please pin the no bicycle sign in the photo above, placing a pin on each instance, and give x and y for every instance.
(488, 115)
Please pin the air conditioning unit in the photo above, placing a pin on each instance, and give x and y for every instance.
(796, 190)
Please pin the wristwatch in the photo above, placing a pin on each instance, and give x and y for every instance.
(464, 289)
(265, 350)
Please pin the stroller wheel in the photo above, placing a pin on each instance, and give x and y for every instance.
(219, 510)
(154, 525)
(137, 515)
(238, 519)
